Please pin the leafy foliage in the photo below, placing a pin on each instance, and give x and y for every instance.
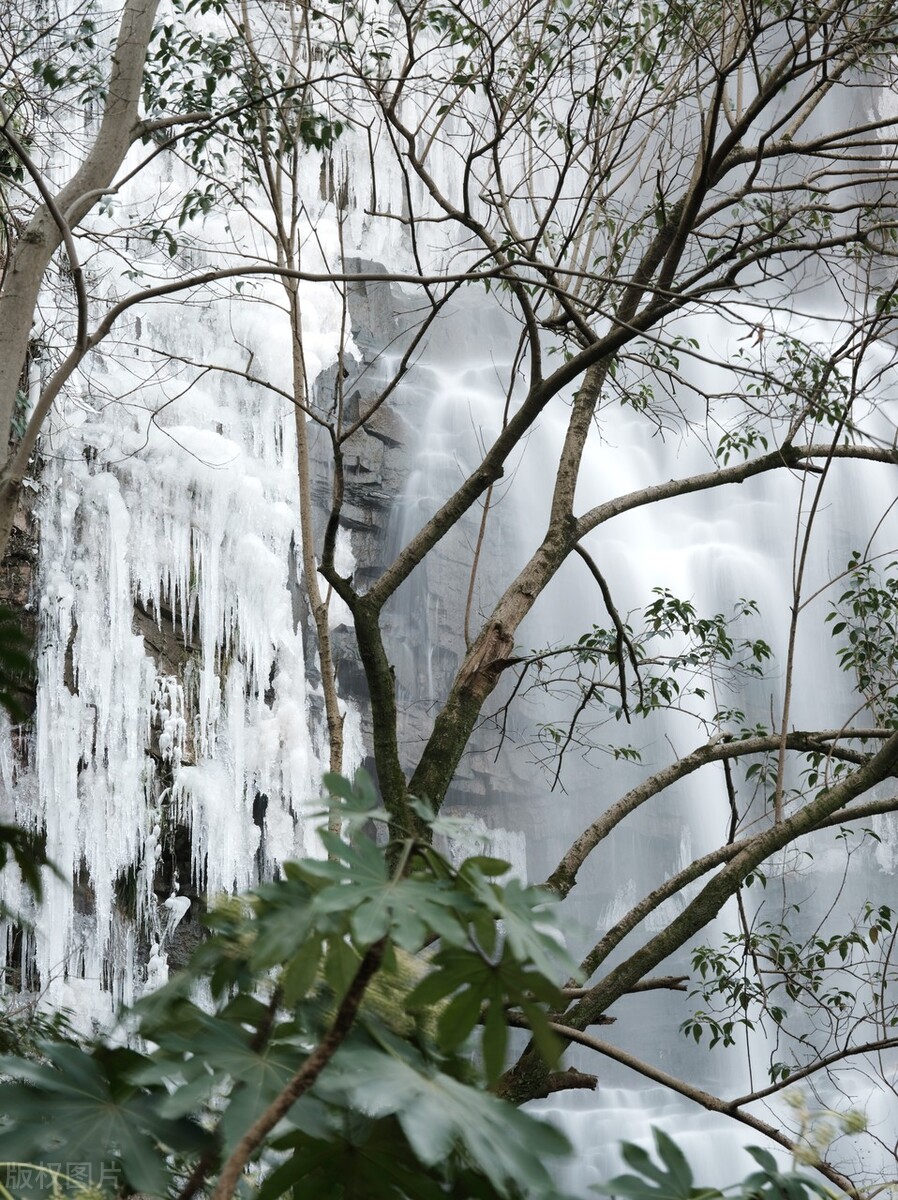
(400, 1109)
(77, 1106)
(769, 972)
(671, 1178)
(673, 658)
(865, 619)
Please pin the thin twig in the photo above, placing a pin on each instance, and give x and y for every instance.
(623, 638)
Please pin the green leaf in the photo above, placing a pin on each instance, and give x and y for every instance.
(675, 1161)
(548, 1043)
(340, 967)
(529, 920)
(81, 1108)
(672, 1180)
(764, 1159)
(495, 1041)
(486, 866)
(363, 1160)
(301, 972)
(458, 1018)
(375, 904)
(433, 988)
(438, 1115)
(283, 920)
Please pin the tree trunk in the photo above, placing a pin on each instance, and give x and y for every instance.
(43, 235)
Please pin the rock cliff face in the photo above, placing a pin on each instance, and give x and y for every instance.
(17, 583)
(405, 459)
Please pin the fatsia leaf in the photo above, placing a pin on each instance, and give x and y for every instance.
(772, 1184)
(637, 1158)
(458, 1018)
(527, 915)
(764, 1159)
(408, 909)
(282, 922)
(368, 1160)
(360, 796)
(433, 988)
(439, 1115)
(548, 1043)
(495, 1040)
(301, 972)
(675, 1161)
(455, 967)
(458, 829)
(487, 866)
(79, 1108)
(340, 967)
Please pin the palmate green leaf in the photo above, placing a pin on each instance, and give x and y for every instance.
(674, 1160)
(228, 1048)
(454, 967)
(458, 829)
(548, 1044)
(672, 1179)
(375, 905)
(637, 1158)
(632, 1187)
(301, 972)
(372, 919)
(365, 1160)
(491, 867)
(340, 966)
(189, 1094)
(81, 1108)
(764, 1159)
(360, 862)
(218, 1054)
(478, 982)
(486, 932)
(354, 804)
(169, 1017)
(433, 988)
(495, 1042)
(283, 917)
(458, 1018)
(358, 796)
(439, 1115)
(528, 918)
(772, 1184)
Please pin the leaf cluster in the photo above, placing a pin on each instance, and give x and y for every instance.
(400, 1110)
(753, 973)
(670, 659)
(865, 620)
(671, 1178)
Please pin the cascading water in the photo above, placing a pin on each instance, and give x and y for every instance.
(742, 546)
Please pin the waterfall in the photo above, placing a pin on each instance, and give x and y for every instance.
(179, 737)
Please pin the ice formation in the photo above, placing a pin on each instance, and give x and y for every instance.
(177, 500)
